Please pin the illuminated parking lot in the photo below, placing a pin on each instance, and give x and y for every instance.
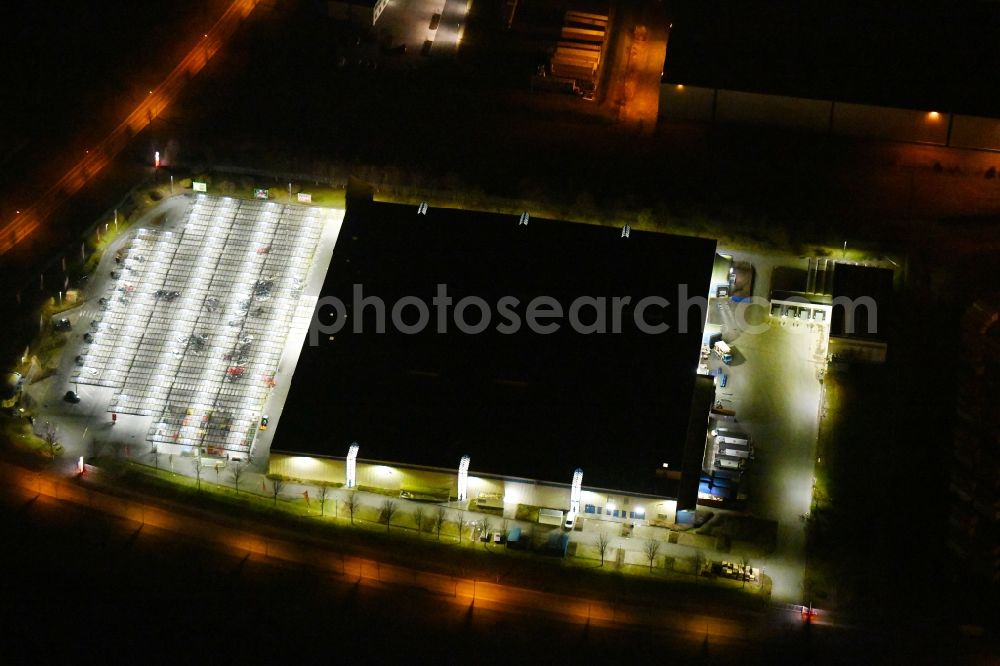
(194, 322)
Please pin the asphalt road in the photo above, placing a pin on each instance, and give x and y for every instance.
(635, 59)
(91, 575)
(104, 149)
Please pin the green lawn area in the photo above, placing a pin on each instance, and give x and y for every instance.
(18, 433)
(404, 545)
(244, 187)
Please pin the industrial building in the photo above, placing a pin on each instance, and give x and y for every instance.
(856, 300)
(528, 409)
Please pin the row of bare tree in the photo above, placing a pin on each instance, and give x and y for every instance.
(389, 508)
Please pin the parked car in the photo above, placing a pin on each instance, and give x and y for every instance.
(63, 324)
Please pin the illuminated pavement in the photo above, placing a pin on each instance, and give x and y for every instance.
(408, 22)
(203, 324)
(775, 390)
(452, 28)
(780, 404)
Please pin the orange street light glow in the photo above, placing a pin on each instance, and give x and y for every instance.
(152, 106)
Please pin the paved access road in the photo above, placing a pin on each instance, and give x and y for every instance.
(634, 63)
(774, 387)
(230, 567)
(778, 399)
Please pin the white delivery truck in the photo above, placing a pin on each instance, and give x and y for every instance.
(723, 351)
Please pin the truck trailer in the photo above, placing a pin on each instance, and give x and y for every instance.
(725, 463)
(732, 435)
(723, 351)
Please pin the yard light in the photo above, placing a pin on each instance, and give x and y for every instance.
(463, 478)
(574, 493)
(352, 465)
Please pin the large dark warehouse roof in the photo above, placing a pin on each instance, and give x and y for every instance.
(521, 404)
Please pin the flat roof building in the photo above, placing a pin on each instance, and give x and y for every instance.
(521, 403)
